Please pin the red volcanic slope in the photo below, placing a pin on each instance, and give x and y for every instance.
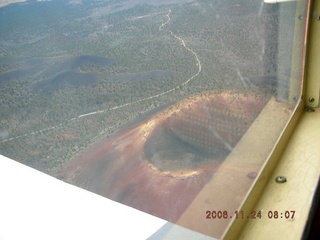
(160, 164)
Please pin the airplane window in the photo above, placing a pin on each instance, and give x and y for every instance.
(171, 107)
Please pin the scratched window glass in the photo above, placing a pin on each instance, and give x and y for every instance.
(171, 107)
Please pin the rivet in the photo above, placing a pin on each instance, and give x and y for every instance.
(300, 17)
(318, 17)
(281, 179)
(311, 99)
(310, 109)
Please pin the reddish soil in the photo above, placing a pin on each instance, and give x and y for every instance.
(160, 164)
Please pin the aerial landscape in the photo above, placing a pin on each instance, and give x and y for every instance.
(139, 101)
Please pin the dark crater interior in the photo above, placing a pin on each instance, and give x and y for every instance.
(203, 133)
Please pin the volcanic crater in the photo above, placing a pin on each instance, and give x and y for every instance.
(160, 164)
(198, 133)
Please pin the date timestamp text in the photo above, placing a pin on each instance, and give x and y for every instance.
(252, 215)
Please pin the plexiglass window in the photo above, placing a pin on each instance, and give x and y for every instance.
(171, 107)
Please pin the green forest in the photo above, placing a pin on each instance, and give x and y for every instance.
(72, 74)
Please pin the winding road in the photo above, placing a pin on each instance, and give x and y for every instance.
(161, 28)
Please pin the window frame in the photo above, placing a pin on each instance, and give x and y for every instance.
(310, 86)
